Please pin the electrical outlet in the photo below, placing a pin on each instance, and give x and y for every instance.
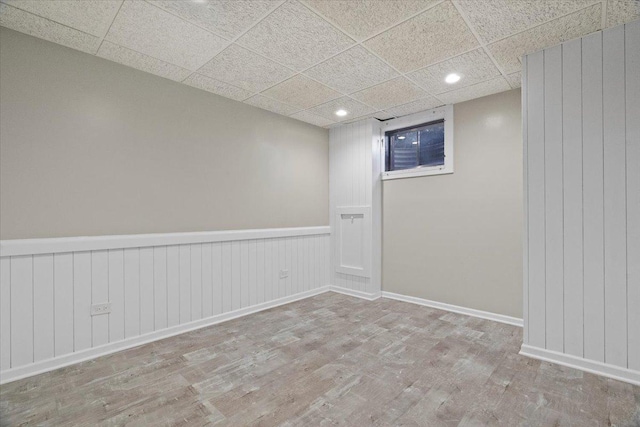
(104, 308)
(284, 274)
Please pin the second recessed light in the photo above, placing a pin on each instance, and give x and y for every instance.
(341, 113)
(452, 78)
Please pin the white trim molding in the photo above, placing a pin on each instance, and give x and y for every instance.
(591, 366)
(514, 321)
(353, 293)
(95, 352)
(95, 243)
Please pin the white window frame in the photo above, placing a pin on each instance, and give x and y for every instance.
(441, 113)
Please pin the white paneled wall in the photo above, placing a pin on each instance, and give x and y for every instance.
(46, 295)
(582, 192)
(354, 181)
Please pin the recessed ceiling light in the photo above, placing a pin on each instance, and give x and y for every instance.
(415, 142)
(452, 78)
(341, 113)
(401, 137)
(200, 1)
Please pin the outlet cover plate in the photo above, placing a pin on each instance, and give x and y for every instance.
(284, 274)
(98, 309)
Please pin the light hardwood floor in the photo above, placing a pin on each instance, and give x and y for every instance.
(330, 359)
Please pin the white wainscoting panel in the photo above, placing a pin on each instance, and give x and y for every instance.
(355, 181)
(582, 202)
(154, 289)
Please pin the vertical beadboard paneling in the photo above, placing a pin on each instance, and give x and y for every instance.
(615, 209)
(216, 277)
(5, 314)
(160, 287)
(99, 295)
(185, 283)
(554, 283)
(81, 300)
(116, 295)
(598, 174)
(43, 300)
(536, 214)
(207, 281)
(236, 291)
(572, 195)
(22, 311)
(196, 282)
(63, 303)
(593, 188)
(147, 297)
(173, 285)
(149, 288)
(525, 206)
(632, 124)
(131, 292)
(244, 273)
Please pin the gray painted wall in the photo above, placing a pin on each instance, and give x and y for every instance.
(90, 147)
(457, 238)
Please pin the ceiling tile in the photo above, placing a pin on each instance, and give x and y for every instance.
(394, 92)
(272, 105)
(147, 29)
(296, 37)
(142, 62)
(314, 119)
(473, 67)
(432, 36)
(36, 26)
(622, 11)
(226, 18)
(89, 16)
(499, 84)
(219, 88)
(240, 67)
(353, 70)
(302, 92)
(497, 19)
(364, 18)
(351, 106)
(414, 107)
(515, 79)
(509, 51)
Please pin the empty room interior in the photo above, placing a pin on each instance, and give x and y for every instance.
(320, 212)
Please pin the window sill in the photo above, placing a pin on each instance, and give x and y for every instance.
(414, 173)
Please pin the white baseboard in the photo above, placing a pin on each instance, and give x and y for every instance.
(92, 353)
(358, 294)
(456, 309)
(591, 366)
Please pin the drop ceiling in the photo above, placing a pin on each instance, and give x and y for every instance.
(307, 59)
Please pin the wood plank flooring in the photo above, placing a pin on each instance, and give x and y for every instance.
(326, 360)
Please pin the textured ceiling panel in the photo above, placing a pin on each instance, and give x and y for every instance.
(147, 29)
(245, 69)
(389, 94)
(272, 105)
(226, 18)
(414, 107)
(353, 70)
(217, 87)
(499, 84)
(314, 119)
(497, 19)
(430, 37)
(473, 67)
(89, 16)
(296, 37)
(515, 79)
(351, 106)
(509, 51)
(46, 29)
(142, 62)
(622, 11)
(364, 18)
(302, 92)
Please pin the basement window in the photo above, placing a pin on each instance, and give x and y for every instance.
(419, 145)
